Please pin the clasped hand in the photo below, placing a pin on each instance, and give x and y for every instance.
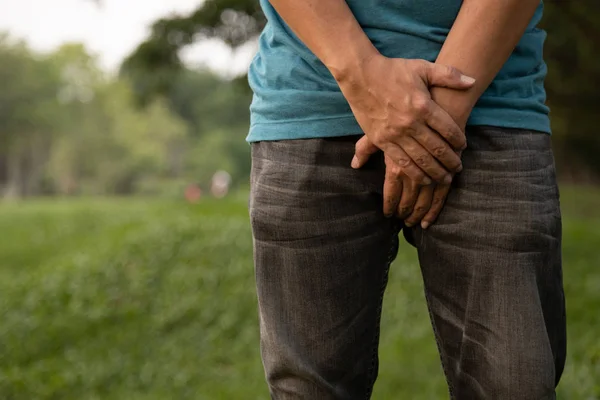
(422, 143)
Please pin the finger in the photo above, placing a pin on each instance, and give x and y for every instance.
(424, 160)
(410, 169)
(440, 194)
(439, 149)
(364, 148)
(442, 123)
(446, 76)
(410, 193)
(422, 205)
(392, 190)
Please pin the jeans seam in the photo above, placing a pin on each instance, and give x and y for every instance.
(440, 350)
(384, 280)
(436, 334)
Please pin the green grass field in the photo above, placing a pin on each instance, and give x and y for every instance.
(135, 299)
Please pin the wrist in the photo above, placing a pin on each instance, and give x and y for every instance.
(350, 65)
(458, 104)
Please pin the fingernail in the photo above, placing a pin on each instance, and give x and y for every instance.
(388, 215)
(467, 79)
(426, 181)
(408, 224)
(460, 168)
(424, 224)
(464, 147)
(355, 163)
(448, 179)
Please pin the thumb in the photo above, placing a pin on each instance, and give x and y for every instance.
(363, 150)
(447, 76)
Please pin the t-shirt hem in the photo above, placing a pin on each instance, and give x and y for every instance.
(310, 129)
(347, 126)
(513, 119)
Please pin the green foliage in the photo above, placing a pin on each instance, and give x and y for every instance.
(206, 103)
(67, 128)
(28, 112)
(119, 300)
(573, 79)
(156, 62)
(126, 299)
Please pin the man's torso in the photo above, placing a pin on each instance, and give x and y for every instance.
(296, 97)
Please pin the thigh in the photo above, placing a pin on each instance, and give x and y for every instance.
(492, 270)
(322, 250)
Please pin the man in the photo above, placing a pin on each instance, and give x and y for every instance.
(360, 103)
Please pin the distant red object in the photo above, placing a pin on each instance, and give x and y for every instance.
(193, 193)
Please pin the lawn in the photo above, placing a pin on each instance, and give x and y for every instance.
(133, 299)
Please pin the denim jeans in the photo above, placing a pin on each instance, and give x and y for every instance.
(491, 267)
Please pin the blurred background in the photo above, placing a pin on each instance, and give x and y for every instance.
(125, 249)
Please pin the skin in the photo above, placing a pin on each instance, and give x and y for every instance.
(412, 110)
(481, 40)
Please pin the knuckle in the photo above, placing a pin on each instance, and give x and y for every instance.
(421, 160)
(452, 129)
(377, 140)
(410, 129)
(420, 210)
(416, 175)
(420, 104)
(403, 210)
(439, 151)
(403, 163)
(450, 134)
(407, 124)
(395, 169)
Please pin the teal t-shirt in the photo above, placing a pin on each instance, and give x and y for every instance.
(296, 97)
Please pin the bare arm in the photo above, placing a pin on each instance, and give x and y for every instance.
(390, 98)
(330, 31)
(481, 40)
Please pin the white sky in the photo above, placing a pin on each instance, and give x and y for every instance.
(111, 31)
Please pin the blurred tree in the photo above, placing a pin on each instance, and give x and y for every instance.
(68, 128)
(155, 62)
(77, 96)
(28, 117)
(207, 102)
(110, 145)
(573, 80)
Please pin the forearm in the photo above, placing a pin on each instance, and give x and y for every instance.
(481, 40)
(330, 31)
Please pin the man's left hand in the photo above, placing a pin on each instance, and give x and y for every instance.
(403, 197)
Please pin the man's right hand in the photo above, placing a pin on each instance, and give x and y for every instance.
(391, 101)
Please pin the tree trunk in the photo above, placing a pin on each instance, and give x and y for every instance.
(38, 153)
(14, 174)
